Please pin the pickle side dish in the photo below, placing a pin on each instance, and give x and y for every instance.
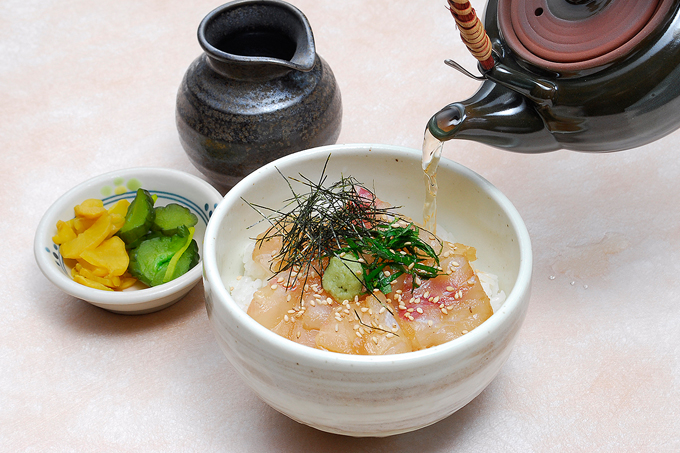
(111, 249)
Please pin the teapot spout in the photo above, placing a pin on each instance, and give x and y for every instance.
(495, 116)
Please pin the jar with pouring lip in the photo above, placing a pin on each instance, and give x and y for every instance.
(258, 92)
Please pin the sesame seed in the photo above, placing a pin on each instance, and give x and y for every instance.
(280, 280)
(356, 327)
(375, 340)
(387, 273)
(358, 334)
(464, 332)
(382, 310)
(290, 312)
(410, 310)
(426, 295)
(419, 310)
(312, 303)
(390, 335)
(364, 309)
(410, 266)
(430, 323)
(450, 288)
(239, 277)
(418, 280)
(298, 334)
(286, 318)
(436, 299)
(337, 327)
(445, 311)
(231, 288)
(376, 290)
(455, 263)
(288, 298)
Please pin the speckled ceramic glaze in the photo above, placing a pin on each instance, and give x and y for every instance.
(258, 92)
(371, 395)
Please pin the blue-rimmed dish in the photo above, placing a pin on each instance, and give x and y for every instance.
(170, 186)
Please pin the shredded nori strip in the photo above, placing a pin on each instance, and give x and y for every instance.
(343, 219)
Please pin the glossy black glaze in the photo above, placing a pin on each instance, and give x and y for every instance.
(630, 102)
(257, 93)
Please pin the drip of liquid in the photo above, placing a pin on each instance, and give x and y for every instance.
(432, 153)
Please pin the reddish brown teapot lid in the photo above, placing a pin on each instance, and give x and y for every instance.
(574, 35)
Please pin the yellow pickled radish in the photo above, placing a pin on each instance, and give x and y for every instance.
(117, 222)
(110, 255)
(90, 209)
(80, 224)
(88, 239)
(126, 282)
(108, 282)
(65, 233)
(91, 283)
(101, 259)
(120, 207)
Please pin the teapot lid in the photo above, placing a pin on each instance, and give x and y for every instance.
(575, 35)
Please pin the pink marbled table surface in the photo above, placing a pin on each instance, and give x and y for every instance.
(90, 86)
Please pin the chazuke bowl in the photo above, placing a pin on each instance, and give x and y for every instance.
(371, 395)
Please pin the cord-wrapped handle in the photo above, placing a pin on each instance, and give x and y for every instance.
(472, 32)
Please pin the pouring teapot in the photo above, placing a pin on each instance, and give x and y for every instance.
(585, 75)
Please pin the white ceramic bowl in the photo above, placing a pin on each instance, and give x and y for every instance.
(371, 395)
(170, 186)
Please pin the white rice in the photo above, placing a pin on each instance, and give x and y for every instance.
(254, 277)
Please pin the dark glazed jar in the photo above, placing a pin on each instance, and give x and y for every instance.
(257, 93)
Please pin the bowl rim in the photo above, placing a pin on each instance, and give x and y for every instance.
(515, 299)
(115, 298)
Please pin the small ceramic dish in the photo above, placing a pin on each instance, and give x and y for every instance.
(370, 395)
(170, 186)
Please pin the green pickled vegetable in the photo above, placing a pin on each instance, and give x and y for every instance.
(170, 218)
(161, 258)
(139, 218)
